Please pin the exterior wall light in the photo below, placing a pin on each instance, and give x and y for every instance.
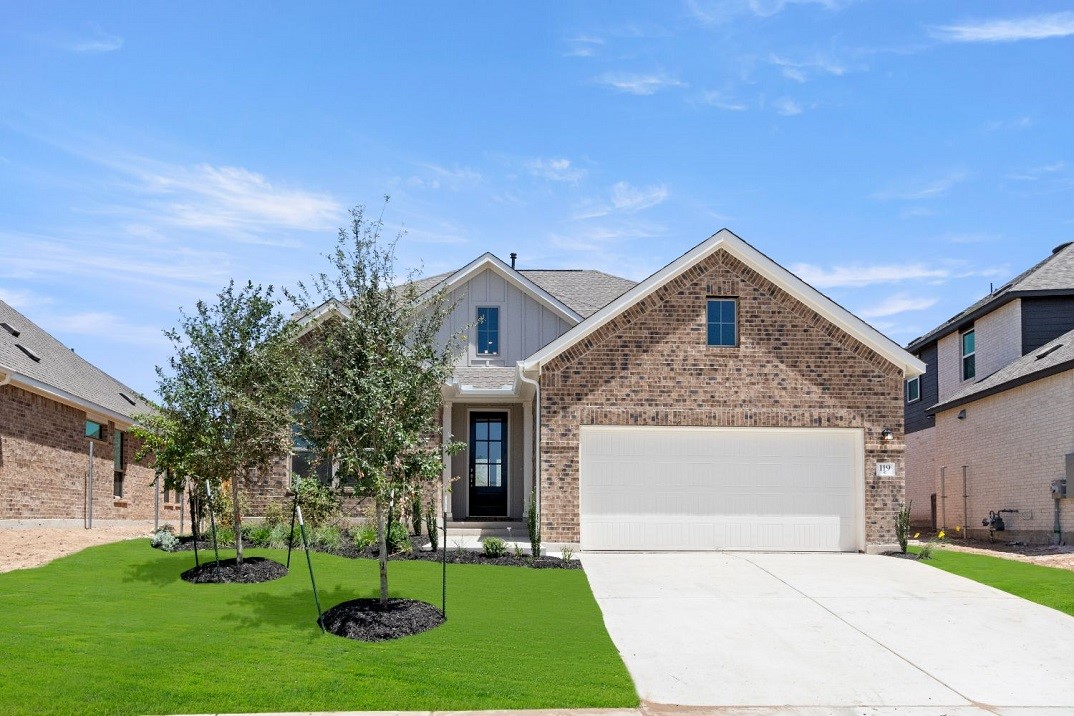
(961, 414)
(887, 435)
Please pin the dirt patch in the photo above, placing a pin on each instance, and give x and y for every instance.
(1044, 555)
(367, 620)
(252, 571)
(25, 547)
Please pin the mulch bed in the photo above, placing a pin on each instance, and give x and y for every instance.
(253, 570)
(901, 555)
(454, 556)
(367, 620)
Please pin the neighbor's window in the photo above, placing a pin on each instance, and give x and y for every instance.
(913, 389)
(969, 354)
(488, 330)
(93, 430)
(117, 461)
(722, 320)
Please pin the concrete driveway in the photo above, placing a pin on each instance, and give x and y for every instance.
(834, 631)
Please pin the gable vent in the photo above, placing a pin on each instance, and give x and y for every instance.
(29, 353)
(127, 398)
(1045, 354)
(10, 329)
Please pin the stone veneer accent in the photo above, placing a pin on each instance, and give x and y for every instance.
(44, 455)
(650, 365)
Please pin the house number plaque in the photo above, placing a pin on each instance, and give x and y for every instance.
(885, 469)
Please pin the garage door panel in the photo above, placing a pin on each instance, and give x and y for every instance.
(720, 488)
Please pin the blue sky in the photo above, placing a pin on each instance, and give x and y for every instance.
(898, 155)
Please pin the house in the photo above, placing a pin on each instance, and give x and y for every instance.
(65, 454)
(721, 403)
(991, 421)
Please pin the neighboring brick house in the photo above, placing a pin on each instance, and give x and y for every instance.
(55, 407)
(990, 423)
(721, 403)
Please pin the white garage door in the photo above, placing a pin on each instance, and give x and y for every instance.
(681, 488)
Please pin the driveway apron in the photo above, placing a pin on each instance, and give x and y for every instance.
(827, 630)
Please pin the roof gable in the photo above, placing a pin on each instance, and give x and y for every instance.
(751, 257)
(490, 262)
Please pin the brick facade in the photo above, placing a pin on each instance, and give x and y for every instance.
(650, 365)
(44, 460)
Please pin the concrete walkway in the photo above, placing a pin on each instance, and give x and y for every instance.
(829, 633)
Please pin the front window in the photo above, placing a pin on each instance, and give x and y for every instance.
(306, 463)
(722, 322)
(93, 430)
(969, 354)
(488, 330)
(117, 461)
(913, 390)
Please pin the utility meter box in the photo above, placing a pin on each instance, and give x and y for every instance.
(1059, 489)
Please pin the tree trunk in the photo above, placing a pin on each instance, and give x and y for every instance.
(382, 537)
(237, 519)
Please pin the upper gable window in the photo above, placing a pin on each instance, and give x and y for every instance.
(969, 354)
(722, 321)
(488, 330)
(913, 390)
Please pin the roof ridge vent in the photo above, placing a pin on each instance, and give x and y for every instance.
(29, 353)
(10, 329)
(1048, 352)
(1060, 247)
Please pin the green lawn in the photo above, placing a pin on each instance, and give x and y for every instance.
(1049, 586)
(114, 630)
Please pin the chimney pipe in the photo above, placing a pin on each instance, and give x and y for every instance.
(513, 257)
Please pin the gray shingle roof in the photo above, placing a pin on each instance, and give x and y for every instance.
(1051, 358)
(1055, 273)
(60, 367)
(584, 291)
(485, 377)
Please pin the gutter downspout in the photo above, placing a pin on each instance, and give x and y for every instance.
(537, 438)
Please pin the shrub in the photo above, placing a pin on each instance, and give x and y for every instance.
(902, 527)
(494, 547)
(520, 554)
(258, 535)
(224, 536)
(365, 536)
(566, 553)
(431, 529)
(534, 525)
(277, 514)
(398, 539)
(164, 539)
(932, 544)
(278, 537)
(320, 505)
(415, 513)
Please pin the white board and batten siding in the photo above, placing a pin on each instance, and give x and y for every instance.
(526, 325)
(687, 488)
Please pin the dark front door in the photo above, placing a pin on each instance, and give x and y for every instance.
(488, 465)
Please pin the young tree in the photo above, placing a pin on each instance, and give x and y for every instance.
(376, 372)
(229, 394)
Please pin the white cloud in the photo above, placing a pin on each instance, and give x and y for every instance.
(1009, 124)
(556, 169)
(1037, 173)
(926, 190)
(639, 84)
(787, 107)
(100, 323)
(583, 46)
(857, 275)
(720, 101)
(630, 199)
(22, 299)
(916, 212)
(712, 12)
(896, 304)
(803, 70)
(1034, 27)
(96, 42)
(438, 177)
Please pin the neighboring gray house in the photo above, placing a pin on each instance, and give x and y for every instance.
(721, 403)
(990, 422)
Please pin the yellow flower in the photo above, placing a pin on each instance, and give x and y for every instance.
(941, 535)
(958, 528)
(916, 535)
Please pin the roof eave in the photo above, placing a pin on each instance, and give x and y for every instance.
(1002, 387)
(62, 396)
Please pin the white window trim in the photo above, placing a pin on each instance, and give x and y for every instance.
(915, 379)
(963, 355)
(499, 331)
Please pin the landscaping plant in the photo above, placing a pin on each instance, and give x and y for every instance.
(431, 528)
(164, 538)
(902, 527)
(494, 547)
(534, 524)
(415, 512)
(375, 372)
